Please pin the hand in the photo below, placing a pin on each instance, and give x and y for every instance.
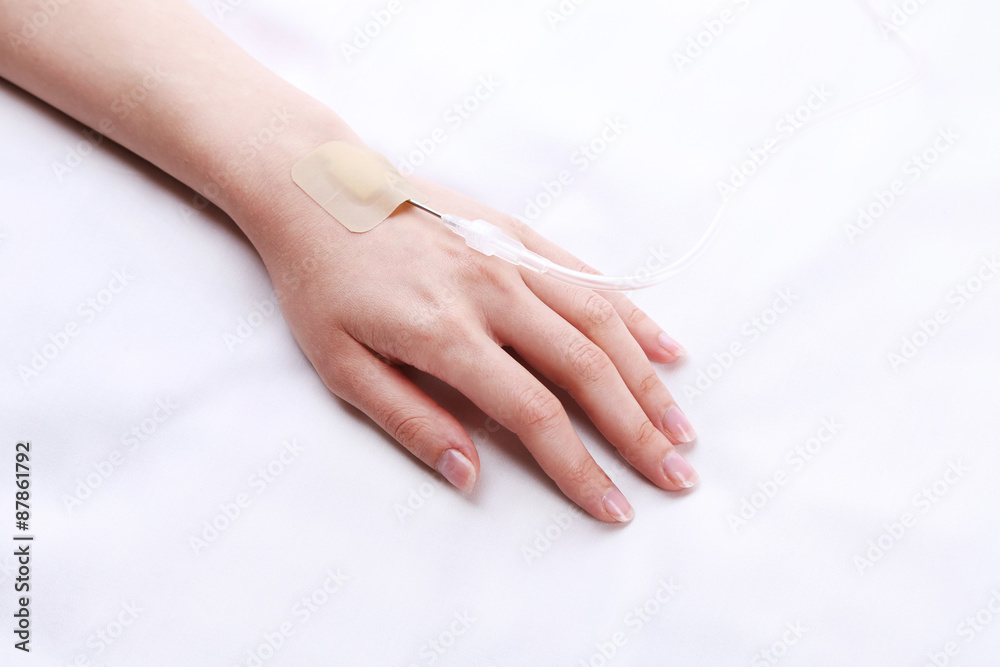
(411, 292)
(408, 291)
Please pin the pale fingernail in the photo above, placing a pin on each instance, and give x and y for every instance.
(616, 505)
(677, 424)
(679, 471)
(457, 469)
(670, 345)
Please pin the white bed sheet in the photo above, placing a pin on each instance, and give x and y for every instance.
(847, 513)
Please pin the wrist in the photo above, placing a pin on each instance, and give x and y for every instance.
(248, 175)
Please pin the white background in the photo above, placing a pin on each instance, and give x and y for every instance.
(541, 585)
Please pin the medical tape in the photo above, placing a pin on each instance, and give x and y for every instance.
(357, 186)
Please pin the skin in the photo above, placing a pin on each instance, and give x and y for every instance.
(431, 303)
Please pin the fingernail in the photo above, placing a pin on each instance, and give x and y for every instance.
(670, 345)
(677, 424)
(616, 505)
(679, 471)
(457, 469)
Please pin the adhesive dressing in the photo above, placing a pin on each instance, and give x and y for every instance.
(354, 184)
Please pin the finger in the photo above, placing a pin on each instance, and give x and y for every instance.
(593, 315)
(475, 365)
(655, 342)
(573, 361)
(404, 411)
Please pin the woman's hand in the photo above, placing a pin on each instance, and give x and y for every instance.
(408, 291)
(411, 292)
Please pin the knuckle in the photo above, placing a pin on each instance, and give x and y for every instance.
(647, 435)
(538, 408)
(337, 372)
(430, 323)
(650, 384)
(407, 427)
(580, 473)
(598, 310)
(434, 322)
(636, 316)
(400, 343)
(587, 360)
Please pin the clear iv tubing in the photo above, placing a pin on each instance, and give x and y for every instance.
(491, 240)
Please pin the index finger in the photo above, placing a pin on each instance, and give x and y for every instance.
(502, 388)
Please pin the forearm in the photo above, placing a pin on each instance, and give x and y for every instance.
(158, 78)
